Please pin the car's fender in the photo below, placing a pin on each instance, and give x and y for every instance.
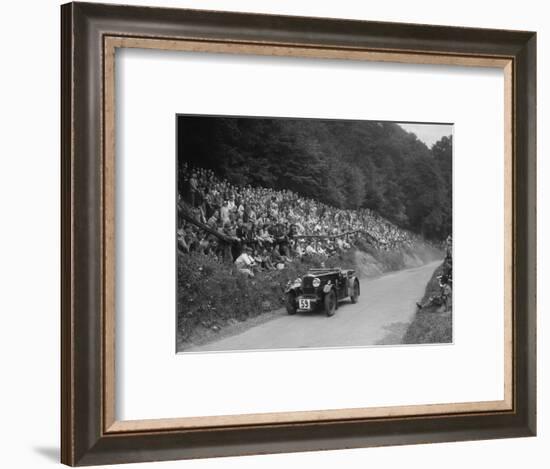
(328, 288)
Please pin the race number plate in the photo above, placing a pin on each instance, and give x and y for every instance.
(304, 304)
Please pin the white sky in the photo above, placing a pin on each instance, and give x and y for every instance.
(429, 133)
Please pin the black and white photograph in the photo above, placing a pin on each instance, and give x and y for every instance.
(312, 233)
(253, 234)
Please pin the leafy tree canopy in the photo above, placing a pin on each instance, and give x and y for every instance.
(347, 164)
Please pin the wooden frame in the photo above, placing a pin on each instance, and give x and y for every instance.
(90, 35)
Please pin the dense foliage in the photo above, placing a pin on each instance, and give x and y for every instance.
(347, 164)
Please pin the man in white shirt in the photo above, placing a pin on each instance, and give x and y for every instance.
(245, 262)
(224, 213)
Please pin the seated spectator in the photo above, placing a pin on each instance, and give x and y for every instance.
(284, 251)
(299, 249)
(213, 220)
(310, 250)
(264, 236)
(204, 243)
(245, 262)
(241, 231)
(224, 213)
(257, 257)
(276, 258)
(266, 260)
(182, 242)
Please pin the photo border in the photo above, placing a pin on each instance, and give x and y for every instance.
(90, 35)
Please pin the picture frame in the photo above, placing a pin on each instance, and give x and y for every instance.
(90, 34)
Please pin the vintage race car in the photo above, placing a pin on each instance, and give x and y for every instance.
(322, 288)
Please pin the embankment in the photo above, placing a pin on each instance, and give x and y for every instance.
(371, 263)
(212, 295)
(431, 324)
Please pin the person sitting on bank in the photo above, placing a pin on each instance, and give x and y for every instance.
(277, 259)
(245, 262)
(266, 260)
(310, 249)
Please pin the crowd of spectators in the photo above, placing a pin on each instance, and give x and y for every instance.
(260, 228)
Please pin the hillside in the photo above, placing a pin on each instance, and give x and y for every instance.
(346, 164)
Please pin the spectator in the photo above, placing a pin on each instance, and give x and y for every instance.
(276, 257)
(245, 262)
(194, 186)
(224, 212)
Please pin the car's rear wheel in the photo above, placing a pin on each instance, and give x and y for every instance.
(354, 296)
(290, 303)
(330, 303)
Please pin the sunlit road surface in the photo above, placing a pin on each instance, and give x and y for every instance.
(384, 301)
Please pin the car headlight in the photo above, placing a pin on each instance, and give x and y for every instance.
(298, 282)
(316, 282)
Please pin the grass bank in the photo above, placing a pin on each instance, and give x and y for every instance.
(371, 262)
(431, 325)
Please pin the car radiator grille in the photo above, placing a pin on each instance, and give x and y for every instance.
(307, 286)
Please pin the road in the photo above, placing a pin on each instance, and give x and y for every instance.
(384, 309)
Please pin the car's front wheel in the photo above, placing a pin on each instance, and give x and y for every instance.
(290, 303)
(330, 303)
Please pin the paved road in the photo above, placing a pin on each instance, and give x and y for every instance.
(384, 308)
